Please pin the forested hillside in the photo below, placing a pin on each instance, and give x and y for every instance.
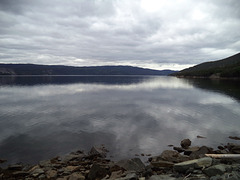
(33, 69)
(225, 68)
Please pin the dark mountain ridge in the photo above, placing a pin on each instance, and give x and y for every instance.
(35, 69)
(225, 68)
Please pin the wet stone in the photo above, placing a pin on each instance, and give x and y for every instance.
(185, 143)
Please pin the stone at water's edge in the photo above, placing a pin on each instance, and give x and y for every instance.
(190, 150)
(196, 163)
(185, 143)
(170, 156)
(99, 151)
(201, 152)
(134, 164)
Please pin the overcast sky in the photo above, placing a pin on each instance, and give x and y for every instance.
(158, 34)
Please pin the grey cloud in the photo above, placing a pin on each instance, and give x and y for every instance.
(111, 32)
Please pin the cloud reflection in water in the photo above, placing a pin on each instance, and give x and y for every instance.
(143, 117)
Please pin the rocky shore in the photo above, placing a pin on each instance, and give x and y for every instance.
(182, 163)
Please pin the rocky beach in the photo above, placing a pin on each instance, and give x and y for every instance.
(185, 162)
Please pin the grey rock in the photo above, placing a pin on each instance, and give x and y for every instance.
(191, 150)
(134, 164)
(71, 157)
(98, 151)
(171, 156)
(185, 143)
(217, 170)
(162, 177)
(196, 163)
(97, 172)
(201, 152)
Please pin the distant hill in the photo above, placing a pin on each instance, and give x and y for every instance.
(33, 69)
(225, 68)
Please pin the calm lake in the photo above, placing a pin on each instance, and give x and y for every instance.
(45, 116)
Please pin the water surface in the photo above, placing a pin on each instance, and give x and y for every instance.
(41, 117)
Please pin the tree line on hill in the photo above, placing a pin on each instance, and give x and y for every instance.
(225, 68)
(33, 69)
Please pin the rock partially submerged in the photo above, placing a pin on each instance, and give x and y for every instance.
(185, 143)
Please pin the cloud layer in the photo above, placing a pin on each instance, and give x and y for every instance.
(147, 33)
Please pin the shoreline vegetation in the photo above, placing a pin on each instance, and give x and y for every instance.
(185, 162)
(228, 68)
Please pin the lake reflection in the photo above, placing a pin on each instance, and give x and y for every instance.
(41, 117)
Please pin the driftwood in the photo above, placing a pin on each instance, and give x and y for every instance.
(224, 156)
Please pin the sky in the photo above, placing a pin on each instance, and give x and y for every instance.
(157, 34)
